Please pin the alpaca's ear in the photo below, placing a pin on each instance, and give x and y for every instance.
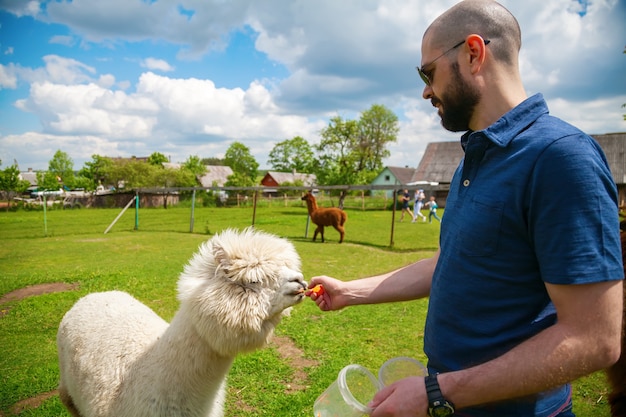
(196, 272)
(222, 260)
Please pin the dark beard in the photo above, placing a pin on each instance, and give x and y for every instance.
(458, 102)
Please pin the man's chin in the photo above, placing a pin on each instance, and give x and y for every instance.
(451, 128)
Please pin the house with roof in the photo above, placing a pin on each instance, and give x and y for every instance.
(398, 177)
(273, 180)
(215, 175)
(433, 174)
(31, 177)
(171, 165)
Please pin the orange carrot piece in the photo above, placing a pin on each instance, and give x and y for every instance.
(318, 290)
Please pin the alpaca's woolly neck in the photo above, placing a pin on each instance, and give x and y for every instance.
(311, 205)
(185, 374)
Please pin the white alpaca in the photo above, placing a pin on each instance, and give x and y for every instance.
(118, 358)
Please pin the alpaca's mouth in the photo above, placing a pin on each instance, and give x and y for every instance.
(300, 291)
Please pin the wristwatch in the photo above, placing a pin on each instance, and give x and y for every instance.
(437, 405)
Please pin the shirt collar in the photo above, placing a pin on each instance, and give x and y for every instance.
(506, 128)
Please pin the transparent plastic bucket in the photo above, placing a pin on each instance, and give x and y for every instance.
(348, 395)
(399, 368)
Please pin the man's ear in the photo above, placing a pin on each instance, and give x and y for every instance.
(477, 52)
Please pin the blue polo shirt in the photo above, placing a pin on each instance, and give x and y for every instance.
(515, 220)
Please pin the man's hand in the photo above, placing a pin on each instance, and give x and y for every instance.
(404, 398)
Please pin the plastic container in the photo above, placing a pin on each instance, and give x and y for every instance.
(348, 395)
(399, 368)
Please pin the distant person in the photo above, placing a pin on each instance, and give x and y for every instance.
(405, 198)
(417, 207)
(432, 209)
(525, 291)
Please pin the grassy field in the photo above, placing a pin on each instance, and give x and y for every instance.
(282, 380)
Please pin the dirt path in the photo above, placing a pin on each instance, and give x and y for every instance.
(31, 291)
(20, 294)
(294, 357)
(30, 403)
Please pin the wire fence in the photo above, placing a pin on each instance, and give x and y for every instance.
(259, 206)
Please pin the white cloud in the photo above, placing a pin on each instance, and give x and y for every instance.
(62, 40)
(66, 71)
(113, 20)
(156, 64)
(21, 8)
(90, 110)
(342, 57)
(592, 116)
(106, 81)
(8, 78)
(34, 150)
(179, 116)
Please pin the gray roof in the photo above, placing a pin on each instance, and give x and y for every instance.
(439, 162)
(171, 165)
(614, 147)
(404, 175)
(30, 176)
(292, 177)
(215, 175)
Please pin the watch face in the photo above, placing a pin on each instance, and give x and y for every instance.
(442, 411)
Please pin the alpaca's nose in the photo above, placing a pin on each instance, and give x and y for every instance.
(298, 278)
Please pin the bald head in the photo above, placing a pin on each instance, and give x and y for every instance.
(486, 18)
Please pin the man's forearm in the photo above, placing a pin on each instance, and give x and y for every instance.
(408, 283)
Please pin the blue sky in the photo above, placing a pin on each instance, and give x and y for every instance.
(190, 77)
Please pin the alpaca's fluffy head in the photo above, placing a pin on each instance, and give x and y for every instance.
(308, 197)
(237, 286)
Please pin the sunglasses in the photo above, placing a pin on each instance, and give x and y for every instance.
(422, 71)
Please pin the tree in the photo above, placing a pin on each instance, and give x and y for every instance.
(157, 158)
(243, 164)
(351, 152)
(48, 181)
(62, 166)
(97, 172)
(172, 177)
(194, 165)
(237, 179)
(336, 152)
(292, 154)
(11, 183)
(378, 127)
(131, 173)
(213, 161)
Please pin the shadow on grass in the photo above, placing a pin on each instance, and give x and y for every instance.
(386, 248)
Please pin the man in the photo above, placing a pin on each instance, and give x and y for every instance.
(404, 200)
(518, 249)
(419, 203)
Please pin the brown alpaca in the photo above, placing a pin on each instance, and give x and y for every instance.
(331, 216)
(617, 372)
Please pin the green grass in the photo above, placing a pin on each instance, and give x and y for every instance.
(146, 263)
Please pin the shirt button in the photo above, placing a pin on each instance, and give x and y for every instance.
(466, 183)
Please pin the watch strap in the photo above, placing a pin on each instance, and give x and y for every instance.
(437, 404)
(432, 388)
